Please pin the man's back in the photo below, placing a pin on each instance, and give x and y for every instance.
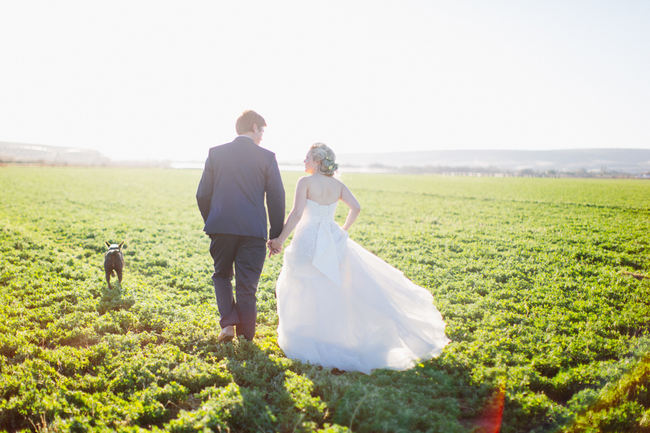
(231, 192)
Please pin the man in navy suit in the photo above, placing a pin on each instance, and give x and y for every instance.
(236, 178)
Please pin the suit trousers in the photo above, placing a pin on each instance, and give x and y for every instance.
(246, 254)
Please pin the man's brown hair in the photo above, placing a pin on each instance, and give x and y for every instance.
(247, 120)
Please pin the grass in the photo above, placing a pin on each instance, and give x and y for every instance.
(531, 275)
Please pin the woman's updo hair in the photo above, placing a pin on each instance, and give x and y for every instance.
(321, 152)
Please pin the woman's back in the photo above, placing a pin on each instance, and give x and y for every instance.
(323, 189)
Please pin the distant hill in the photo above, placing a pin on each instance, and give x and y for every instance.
(22, 153)
(49, 155)
(630, 161)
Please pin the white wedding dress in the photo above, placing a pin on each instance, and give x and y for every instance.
(341, 306)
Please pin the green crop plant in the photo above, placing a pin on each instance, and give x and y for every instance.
(542, 283)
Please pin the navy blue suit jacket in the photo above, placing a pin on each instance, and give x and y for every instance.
(230, 195)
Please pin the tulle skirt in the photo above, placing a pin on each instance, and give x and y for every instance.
(373, 317)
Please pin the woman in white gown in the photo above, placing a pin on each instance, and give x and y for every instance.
(339, 305)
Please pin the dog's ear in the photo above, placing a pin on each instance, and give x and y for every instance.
(107, 244)
(121, 244)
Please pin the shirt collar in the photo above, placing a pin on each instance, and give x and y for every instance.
(244, 137)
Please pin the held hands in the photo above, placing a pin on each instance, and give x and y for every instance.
(275, 246)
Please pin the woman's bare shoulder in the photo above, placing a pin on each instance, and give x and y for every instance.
(339, 182)
(334, 180)
(339, 185)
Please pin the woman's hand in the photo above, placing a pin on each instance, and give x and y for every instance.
(275, 246)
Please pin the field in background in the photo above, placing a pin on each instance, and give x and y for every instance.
(539, 280)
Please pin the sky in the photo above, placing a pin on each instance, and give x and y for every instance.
(159, 79)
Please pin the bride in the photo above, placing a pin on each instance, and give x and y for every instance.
(339, 305)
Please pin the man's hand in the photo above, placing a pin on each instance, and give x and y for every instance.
(275, 246)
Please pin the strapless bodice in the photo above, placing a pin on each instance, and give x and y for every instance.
(314, 210)
(319, 239)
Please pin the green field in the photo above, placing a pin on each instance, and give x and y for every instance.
(539, 280)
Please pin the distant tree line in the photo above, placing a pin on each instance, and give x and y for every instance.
(603, 172)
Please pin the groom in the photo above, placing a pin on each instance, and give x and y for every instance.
(230, 196)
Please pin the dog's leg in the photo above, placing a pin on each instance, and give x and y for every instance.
(119, 275)
(108, 278)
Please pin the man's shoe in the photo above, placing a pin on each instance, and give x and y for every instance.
(226, 334)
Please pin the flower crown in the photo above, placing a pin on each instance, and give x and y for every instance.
(329, 164)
